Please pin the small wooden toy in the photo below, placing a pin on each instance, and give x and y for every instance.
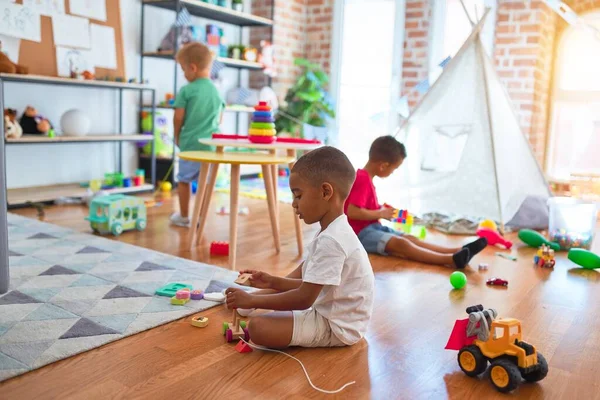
(171, 289)
(179, 302)
(243, 347)
(219, 249)
(117, 213)
(236, 329)
(197, 295)
(244, 280)
(544, 257)
(199, 321)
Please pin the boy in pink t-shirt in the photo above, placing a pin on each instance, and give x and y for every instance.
(363, 210)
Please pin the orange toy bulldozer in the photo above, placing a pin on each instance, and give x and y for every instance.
(482, 338)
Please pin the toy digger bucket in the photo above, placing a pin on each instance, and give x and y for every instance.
(458, 337)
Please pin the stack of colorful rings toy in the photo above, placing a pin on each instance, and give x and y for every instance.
(262, 127)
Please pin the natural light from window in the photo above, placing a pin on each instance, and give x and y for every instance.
(575, 131)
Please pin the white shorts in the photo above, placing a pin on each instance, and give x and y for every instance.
(311, 329)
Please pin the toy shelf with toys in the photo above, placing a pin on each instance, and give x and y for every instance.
(203, 9)
(37, 139)
(228, 62)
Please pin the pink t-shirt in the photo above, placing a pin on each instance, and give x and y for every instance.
(362, 195)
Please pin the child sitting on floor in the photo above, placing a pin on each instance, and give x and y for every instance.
(327, 301)
(363, 210)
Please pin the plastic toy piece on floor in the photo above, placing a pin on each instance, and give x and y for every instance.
(199, 321)
(584, 258)
(497, 282)
(242, 347)
(172, 288)
(243, 279)
(236, 329)
(494, 238)
(179, 302)
(483, 266)
(507, 256)
(219, 249)
(544, 257)
(535, 239)
(218, 297)
(197, 295)
(484, 338)
(182, 294)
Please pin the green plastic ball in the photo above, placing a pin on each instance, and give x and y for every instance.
(458, 279)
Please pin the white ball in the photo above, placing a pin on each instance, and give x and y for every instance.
(75, 123)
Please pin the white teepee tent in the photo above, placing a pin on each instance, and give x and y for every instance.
(467, 155)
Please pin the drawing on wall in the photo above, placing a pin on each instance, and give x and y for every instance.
(73, 60)
(20, 21)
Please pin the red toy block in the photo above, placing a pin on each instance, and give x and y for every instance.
(242, 347)
(219, 249)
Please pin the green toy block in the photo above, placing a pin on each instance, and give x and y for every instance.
(170, 289)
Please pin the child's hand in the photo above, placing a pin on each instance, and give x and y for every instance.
(259, 279)
(386, 213)
(237, 298)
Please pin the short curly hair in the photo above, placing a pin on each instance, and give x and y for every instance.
(327, 164)
(387, 149)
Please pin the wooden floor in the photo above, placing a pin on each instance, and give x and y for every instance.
(403, 356)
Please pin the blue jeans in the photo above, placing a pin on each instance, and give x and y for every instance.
(375, 237)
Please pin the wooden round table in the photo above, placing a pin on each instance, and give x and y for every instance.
(291, 149)
(209, 168)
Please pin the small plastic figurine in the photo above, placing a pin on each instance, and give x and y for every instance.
(544, 257)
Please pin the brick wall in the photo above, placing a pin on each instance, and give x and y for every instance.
(319, 31)
(416, 42)
(524, 46)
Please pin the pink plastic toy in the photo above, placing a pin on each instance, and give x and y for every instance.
(493, 237)
(182, 294)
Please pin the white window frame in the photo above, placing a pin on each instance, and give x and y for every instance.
(336, 60)
(565, 96)
(438, 27)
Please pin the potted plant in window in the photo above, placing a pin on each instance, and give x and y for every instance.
(237, 5)
(308, 105)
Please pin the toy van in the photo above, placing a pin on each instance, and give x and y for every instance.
(117, 213)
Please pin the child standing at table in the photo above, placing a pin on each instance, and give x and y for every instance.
(198, 112)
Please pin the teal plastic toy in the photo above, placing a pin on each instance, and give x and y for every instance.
(117, 213)
(170, 289)
(535, 239)
(584, 258)
(458, 279)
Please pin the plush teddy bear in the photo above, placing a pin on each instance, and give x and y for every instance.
(10, 67)
(12, 129)
(33, 123)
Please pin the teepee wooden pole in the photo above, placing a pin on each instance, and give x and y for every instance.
(462, 3)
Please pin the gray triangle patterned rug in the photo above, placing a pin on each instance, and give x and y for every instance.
(71, 292)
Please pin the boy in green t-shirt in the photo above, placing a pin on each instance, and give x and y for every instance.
(198, 112)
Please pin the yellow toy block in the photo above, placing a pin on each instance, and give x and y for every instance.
(262, 132)
(199, 321)
(179, 302)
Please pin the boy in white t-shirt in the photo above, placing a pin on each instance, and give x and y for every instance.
(327, 301)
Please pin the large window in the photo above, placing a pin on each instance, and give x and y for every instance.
(451, 28)
(575, 130)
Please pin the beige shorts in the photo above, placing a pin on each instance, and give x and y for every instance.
(311, 329)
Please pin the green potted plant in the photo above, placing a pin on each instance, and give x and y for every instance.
(237, 5)
(308, 105)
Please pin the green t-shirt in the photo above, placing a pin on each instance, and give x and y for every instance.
(203, 106)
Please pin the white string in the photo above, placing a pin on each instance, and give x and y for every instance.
(302, 365)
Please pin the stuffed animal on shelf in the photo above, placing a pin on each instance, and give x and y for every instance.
(9, 67)
(12, 129)
(33, 123)
(267, 59)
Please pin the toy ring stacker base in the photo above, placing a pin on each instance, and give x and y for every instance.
(199, 321)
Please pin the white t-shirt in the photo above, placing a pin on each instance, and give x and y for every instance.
(337, 260)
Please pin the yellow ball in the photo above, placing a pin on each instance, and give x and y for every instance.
(488, 224)
(95, 185)
(166, 186)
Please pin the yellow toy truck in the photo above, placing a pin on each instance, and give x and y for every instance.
(117, 213)
(482, 338)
